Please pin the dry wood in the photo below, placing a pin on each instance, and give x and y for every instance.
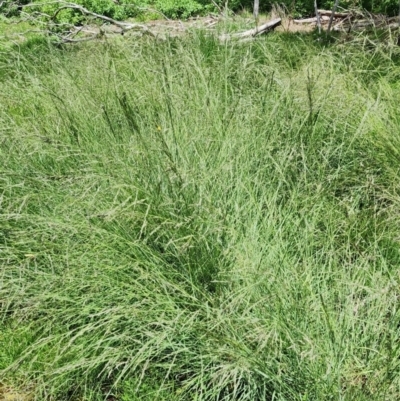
(318, 16)
(255, 10)
(344, 21)
(312, 20)
(335, 6)
(305, 20)
(363, 24)
(69, 34)
(330, 12)
(268, 26)
(123, 25)
(359, 25)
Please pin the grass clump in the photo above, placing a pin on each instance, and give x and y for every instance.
(191, 220)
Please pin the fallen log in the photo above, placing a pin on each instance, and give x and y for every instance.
(336, 14)
(268, 26)
(324, 18)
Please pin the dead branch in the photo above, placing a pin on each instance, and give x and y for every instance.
(344, 21)
(123, 25)
(335, 6)
(256, 10)
(268, 26)
(360, 21)
(318, 16)
(70, 32)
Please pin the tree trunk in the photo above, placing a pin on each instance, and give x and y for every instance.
(256, 10)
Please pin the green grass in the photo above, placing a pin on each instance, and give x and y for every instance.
(14, 32)
(190, 220)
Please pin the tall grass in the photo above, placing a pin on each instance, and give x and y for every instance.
(190, 220)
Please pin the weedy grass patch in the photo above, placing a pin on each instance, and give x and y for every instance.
(195, 220)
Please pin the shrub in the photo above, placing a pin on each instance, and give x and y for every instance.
(123, 9)
(179, 8)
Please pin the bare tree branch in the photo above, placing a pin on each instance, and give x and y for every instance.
(123, 25)
(332, 15)
(318, 16)
(256, 10)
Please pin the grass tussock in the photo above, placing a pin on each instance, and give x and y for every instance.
(190, 220)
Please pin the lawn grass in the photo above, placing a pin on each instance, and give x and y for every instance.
(194, 220)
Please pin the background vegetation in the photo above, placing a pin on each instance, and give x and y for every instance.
(191, 220)
(123, 9)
